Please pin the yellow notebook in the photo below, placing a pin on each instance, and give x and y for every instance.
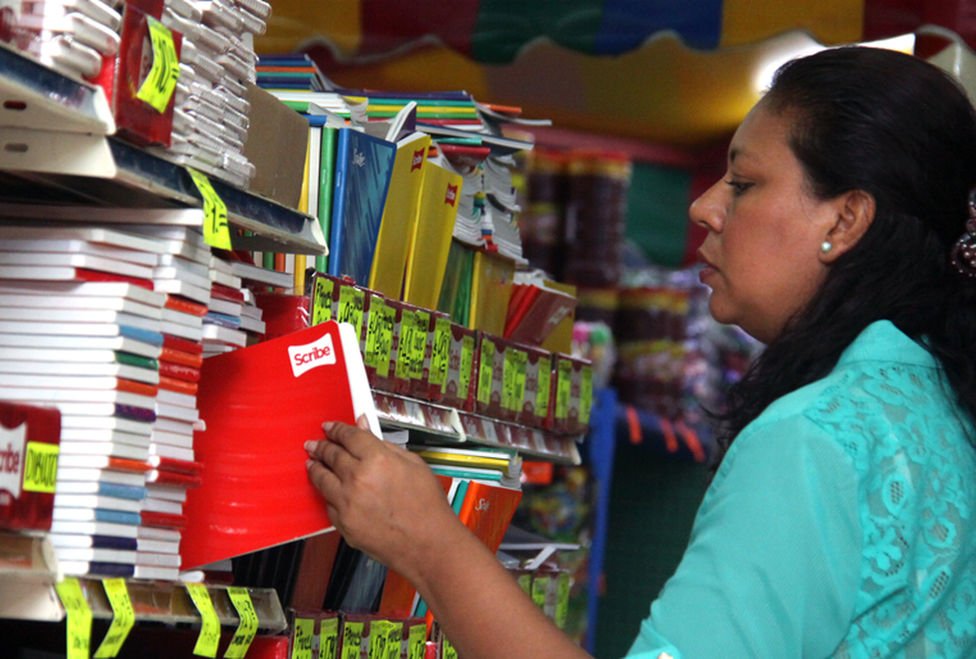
(399, 215)
(491, 288)
(431, 239)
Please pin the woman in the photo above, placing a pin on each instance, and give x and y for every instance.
(841, 520)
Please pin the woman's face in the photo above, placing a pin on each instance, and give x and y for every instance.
(762, 252)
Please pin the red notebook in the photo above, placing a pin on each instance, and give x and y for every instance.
(29, 444)
(260, 405)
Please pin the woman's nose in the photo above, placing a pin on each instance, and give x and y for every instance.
(708, 210)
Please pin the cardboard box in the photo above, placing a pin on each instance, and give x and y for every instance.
(277, 140)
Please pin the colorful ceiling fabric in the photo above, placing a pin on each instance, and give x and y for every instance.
(667, 71)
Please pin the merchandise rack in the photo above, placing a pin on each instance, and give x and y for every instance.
(27, 592)
(449, 425)
(56, 147)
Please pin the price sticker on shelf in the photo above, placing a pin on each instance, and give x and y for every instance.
(322, 300)
(416, 641)
(408, 328)
(216, 231)
(123, 618)
(508, 379)
(41, 467)
(394, 640)
(160, 83)
(562, 599)
(467, 365)
(544, 383)
(378, 639)
(418, 347)
(485, 367)
(352, 301)
(209, 637)
(447, 650)
(564, 382)
(304, 634)
(79, 617)
(329, 639)
(386, 319)
(586, 394)
(247, 628)
(440, 352)
(352, 639)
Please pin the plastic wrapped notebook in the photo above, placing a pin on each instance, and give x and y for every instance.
(260, 405)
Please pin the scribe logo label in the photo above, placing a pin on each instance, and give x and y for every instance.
(12, 458)
(305, 357)
(418, 159)
(450, 196)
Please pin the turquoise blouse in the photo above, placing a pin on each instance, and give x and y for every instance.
(840, 524)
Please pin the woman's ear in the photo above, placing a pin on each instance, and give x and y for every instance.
(855, 213)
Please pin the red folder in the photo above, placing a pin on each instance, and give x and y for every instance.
(260, 405)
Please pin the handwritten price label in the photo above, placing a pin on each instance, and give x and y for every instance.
(564, 382)
(447, 650)
(41, 467)
(408, 328)
(209, 637)
(123, 618)
(301, 644)
(586, 394)
(467, 366)
(440, 352)
(158, 87)
(418, 346)
(352, 639)
(352, 301)
(216, 231)
(544, 390)
(485, 366)
(322, 300)
(416, 641)
(79, 617)
(248, 626)
(329, 635)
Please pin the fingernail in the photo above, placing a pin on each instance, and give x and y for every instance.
(309, 463)
(363, 422)
(328, 426)
(310, 445)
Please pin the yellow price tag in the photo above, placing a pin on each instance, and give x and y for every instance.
(41, 467)
(352, 639)
(540, 591)
(352, 300)
(544, 388)
(408, 327)
(386, 319)
(586, 394)
(301, 644)
(418, 350)
(417, 641)
(485, 366)
(562, 599)
(124, 617)
(525, 583)
(79, 617)
(394, 640)
(248, 626)
(216, 231)
(564, 382)
(440, 352)
(378, 639)
(467, 364)
(447, 650)
(209, 637)
(160, 83)
(329, 639)
(518, 386)
(322, 300)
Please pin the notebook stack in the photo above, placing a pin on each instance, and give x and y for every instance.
(216, 62)
(81, 330)
(223, 331)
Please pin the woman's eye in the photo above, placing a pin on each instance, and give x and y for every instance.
(738, 187)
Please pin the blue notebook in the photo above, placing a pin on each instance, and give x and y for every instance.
(363, 167)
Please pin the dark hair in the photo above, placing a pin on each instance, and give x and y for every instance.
(900, 129)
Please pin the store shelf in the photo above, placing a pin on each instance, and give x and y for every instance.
(56, 148)
(34, 96)
(447, 424)
(28, 575)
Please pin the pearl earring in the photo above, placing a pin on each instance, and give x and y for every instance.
(826, 246)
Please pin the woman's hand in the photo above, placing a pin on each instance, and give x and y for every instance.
(382, 498)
